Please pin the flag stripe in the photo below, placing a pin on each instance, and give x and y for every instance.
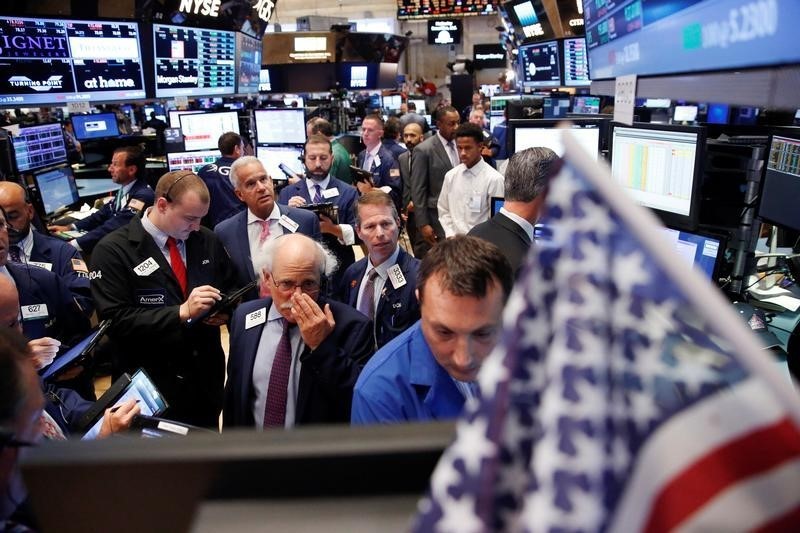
(783, 523)
(747, 456)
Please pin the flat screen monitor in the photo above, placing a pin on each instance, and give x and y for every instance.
(576, 63)
(529, 133)
(392, 102)
(48, 61)
(497, 104)
(248, 64)
(57, 188)
(780, 187)
(97, 126)
(528, 20)
(660, 166)
(39, 146)
(684, 113)
(280, 126)
(193, 61)
(587, 105)
(272, 157)
(411, 9)
(174, 117)
(489, 56)
(419, 103)
(265, 80)
(555, 107)
(496, 204)
(202, 131)
(444, 31)
(363, 76)
(158, 109)
(718, 113)
(668, 37)
(193, 161)
(539, 64)
(745, 116)
(703, 250)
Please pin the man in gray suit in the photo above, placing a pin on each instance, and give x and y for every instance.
(412, 136)
(430, 162)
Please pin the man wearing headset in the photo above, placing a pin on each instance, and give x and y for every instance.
(156, 278)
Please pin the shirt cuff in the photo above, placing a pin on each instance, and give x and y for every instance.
(74, 242)
(348, 235)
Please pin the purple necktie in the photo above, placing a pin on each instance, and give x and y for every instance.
(367, 305)
(275, 411)
(13, 252)
(317, 194)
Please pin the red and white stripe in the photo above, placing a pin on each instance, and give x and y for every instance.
(729, 462)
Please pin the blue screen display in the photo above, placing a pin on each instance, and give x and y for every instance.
(717, 113)
(702, 251)
(98, 126)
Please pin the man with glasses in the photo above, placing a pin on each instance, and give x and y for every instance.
(294, 357)
(155, 279)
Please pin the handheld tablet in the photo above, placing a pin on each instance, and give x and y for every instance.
(226, 303)
(329, 209)
(75, 355)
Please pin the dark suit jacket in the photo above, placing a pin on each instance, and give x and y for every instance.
(346, 200)
(387, 173)
(233, 234)
(327, 374)
(395, 147)
(429, 164)
(224, 203)
(506, 235)
(397, 308)
(187, 363)
(60, 255)
(404, 161)
(106, 219)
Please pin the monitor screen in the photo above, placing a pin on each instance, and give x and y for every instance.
(248, 64)
(657, 103)
(293, 101)
(489, 56)
(685, 113)
(280, 126)
(265, 81)
(528, 19)
(556, 107)
(576, 63)
(57, 188)
(703, 251)
(97, 126)
(203, 130)
(39, 146)
(588, 105)
(442, 31)
(48, 61)
(272, 156)
(496, 204)
(780, 187)
(193, 61)
(174, 117)
(414, 9)
(530, 133)
(660, 167)
(668, 37)
(539, 65)
(193, 161)
(392, 102)
(420, 104)
(158, 109)
(718, 114)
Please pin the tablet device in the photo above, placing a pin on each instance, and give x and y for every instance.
(328, 209)
(227, 302)
(359, 175)
(70, 357)
(138, 387)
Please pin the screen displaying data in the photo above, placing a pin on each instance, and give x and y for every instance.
(576, 63)
(39, 146)
(203, 130)
(781, 187)
(657, 166)
(588, 136)
(96, 126)
(280, 126)
(539, 65)
(248, 61)
(194, 61)
(174, 117)
(44, 61)
(193, 161)
(57, 188)
(702, 251)
(272, 157)
(589, 105)
(412, 9)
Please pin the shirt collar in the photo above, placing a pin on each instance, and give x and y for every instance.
(375, 150)
(524, 224)
(159, 236)
(475, 169)
(444, 141)
(127, 187)
(322, 185)
(274, 215)
(384, 267)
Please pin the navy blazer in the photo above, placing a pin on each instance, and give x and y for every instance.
(327, 374)
(224, 203)
(506, 235)
(36, 287)
(106, 219)
(395, 147)
(233, 234)
(387, 173)
(346, 201)
(397, 308)
(67, 263)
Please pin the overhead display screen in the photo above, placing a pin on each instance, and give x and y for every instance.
(424, 9)
(669, 37)
(194, 61)
(539, 65)
(248, 59)
(576, 63)
(49, 61)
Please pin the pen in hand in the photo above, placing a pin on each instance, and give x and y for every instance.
(116, 408)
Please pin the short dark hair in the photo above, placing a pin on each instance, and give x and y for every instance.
(322, 127)
(467, 266)
(412, 106)
(468, 129)
(527, 173)
(318, 139)
(374, 116)
(228, 142)
(178, 182)
(13, 354)
(441, 111)
(134, 156)
(392, 128)
(375, 197)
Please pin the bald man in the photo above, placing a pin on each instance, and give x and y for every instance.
(28, 246)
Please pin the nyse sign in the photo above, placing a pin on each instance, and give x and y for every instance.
(210, 8)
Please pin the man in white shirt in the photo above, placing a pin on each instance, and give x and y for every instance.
(468, 188)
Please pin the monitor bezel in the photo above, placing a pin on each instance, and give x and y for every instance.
(559, 61)
(205, 114)
(723, 239)
(29, 127)
(789, 133)
(88, 139)
(297, 110)
(553, 123)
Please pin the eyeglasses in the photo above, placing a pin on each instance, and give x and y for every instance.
(289, 286)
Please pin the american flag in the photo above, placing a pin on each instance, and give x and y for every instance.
(613, 403)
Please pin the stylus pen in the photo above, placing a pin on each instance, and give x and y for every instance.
(116, 408)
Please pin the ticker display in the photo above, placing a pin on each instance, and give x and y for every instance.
(425, 9)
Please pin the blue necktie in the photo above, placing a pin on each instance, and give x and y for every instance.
(317, 194)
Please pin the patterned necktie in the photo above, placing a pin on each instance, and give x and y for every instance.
(14, 253)
(367, 304)
(367, 162)
(317, 194)
(176, 261)
(264, 235)
(453, 153)
(118, 200)
(277, 391)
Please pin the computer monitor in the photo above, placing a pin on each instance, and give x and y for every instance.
(293, 101)
(158, 109)
(657, 103)
(174, 117)
(392, 102)
(57, 188)
(587, 105)
(420, 104)
(496, 204)
(193, 161)
(97, 126)
(540, 65)
(703, 250)
(684, 113)
(280, 126)
(202, 131)
(272, 157)
(542, 132)
(576, 63)
(780, 187)
(39, 146)
(718, 113)
(661, 166)
(556, 107)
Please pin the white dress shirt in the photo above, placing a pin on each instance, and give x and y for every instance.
(466, 195)
(380, 281)
(161, 238)
(348, 233)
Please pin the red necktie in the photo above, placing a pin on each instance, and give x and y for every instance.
(275, 411)
(178, 267)
(264, 235)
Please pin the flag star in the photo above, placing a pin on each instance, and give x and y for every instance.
(595, 218)
(493, 371)
(692, 368)
(629, 271)
(472, 445)
(459, 516)
(535, 331)
(444, 476)
(643, 409)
